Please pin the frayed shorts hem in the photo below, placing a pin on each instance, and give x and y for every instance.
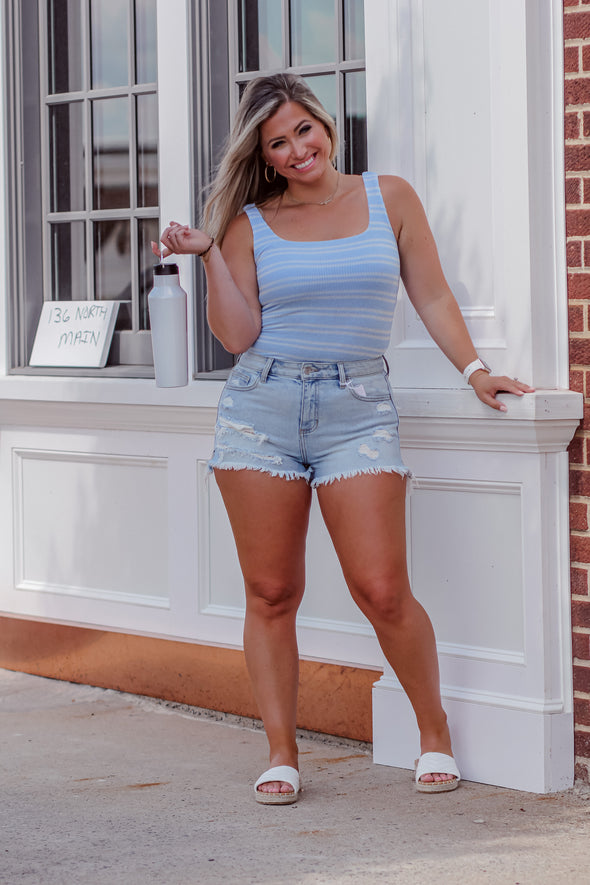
(361, 471)
(279, 474)
(403, 472)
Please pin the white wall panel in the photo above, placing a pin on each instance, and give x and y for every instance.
(98, 527)
(465, 556)
(91, 525)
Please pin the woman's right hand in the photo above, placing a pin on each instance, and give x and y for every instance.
(180, 239)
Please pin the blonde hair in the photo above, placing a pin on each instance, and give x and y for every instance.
(240, 177)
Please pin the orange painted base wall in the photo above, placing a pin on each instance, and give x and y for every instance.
(332, 699)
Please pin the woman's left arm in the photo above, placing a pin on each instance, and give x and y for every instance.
(429, 291)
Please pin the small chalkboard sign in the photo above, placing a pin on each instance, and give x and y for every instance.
(74, 333)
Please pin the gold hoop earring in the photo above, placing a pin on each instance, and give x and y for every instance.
(274, 177)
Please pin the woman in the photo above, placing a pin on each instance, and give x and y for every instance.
(303, 265)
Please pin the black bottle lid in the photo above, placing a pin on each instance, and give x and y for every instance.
(165, 270)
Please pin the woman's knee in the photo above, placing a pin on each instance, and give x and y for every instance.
(384, 599)
(273, 597)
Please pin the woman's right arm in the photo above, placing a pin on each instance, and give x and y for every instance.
(233, 308)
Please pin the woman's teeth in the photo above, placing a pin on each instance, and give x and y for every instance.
(305, 164)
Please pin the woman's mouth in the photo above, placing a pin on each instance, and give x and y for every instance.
(306, 163)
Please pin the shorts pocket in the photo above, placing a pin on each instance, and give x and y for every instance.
(241, 378)
(371, 388)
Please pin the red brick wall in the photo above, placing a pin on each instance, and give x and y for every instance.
(577, 164)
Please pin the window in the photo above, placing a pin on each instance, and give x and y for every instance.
(84, 103)
(322, 40)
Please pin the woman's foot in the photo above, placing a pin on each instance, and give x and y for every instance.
(278, 786)
(289, 759)
(437, 743)
(436, 773)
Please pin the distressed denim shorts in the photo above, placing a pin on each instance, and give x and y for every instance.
(315, 421)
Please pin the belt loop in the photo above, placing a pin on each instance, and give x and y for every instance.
(386, 365)
(267, 368)
(342, 374)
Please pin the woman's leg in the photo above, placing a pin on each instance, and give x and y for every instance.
(269, 518)
(365, 516)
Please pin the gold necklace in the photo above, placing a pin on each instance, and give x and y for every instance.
(313, 202)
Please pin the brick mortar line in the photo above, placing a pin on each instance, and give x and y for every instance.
(578, 597)
(582, 729)
(582, 631)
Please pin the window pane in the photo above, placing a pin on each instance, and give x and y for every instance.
(67, 153)
(324, 87)
(68, 261)
(110, 151)
(109, 43)
(354, 29)
(260, 35)
(64, 18)
(314, 32)
(148, 230)
(112, 265)
(146, 70)
(147, 150)
(355, 137)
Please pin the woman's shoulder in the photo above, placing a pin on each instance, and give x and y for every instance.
(396, 188)
(239, 230)
(401, 201)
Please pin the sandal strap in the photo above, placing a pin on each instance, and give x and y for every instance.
(436, 763)
(284, 773)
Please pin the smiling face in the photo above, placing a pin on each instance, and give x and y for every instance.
(296, 143)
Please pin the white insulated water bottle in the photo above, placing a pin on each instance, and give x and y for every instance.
(167, 306)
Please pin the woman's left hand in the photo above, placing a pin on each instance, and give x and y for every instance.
(488, 386)
(180, 239)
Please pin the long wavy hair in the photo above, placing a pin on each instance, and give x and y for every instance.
(240, 176)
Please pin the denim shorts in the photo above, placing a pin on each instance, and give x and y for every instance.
(315, 421)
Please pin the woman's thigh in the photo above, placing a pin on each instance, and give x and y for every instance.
(269, 516)
(365, 516)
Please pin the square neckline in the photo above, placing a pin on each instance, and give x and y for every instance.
(362, 233)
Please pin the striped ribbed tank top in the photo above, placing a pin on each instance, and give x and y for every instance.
(327, 300)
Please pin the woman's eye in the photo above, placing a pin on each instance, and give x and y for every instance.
(277, 144)
(304, 129)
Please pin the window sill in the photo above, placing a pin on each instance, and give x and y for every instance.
(101, 388)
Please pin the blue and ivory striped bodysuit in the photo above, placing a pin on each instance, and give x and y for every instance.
(327, 300)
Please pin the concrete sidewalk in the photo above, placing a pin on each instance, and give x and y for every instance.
(102, 787)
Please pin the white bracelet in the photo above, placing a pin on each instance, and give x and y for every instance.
(474, 367)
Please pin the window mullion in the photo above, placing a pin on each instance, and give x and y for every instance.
(286, 20)
(234, 71)
(45, 152)
(340, 87)
(133, 232)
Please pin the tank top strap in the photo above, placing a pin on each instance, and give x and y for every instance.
(261, 231)
(377, 211)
